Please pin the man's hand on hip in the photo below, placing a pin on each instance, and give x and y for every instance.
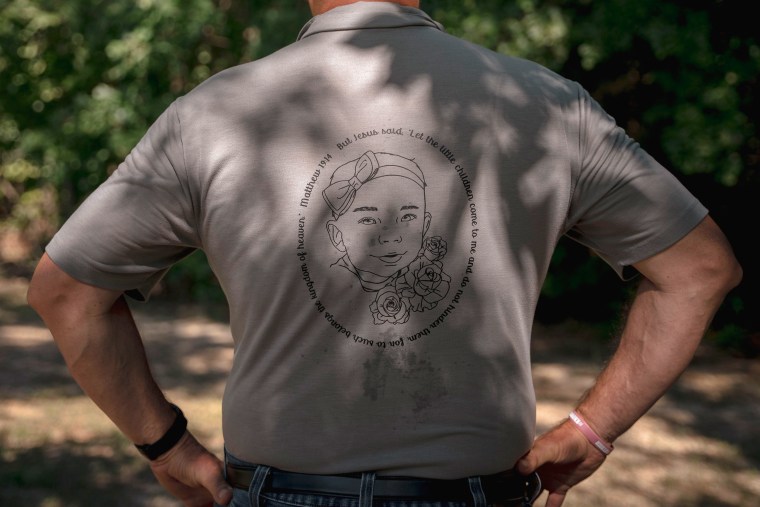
(192, 474)
(563, 457)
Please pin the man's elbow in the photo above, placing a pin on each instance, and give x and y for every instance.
(718, 274)
(46, 291)
(57, 296)
(731, 274)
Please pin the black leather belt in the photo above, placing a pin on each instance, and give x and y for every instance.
(506, 488)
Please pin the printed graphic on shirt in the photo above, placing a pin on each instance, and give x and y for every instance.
(387, 230)
(379, 226)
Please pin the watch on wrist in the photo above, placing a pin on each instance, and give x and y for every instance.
(170, 438)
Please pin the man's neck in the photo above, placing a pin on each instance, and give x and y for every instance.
(322, 6)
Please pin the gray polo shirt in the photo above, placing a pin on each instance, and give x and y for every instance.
(380, 202)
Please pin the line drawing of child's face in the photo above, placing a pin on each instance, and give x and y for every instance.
(384, 228)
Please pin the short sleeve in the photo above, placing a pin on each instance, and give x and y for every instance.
(625, 205)
(139, 222)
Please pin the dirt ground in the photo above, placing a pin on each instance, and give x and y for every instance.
(699, 446)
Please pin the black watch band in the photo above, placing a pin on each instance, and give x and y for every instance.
(169, 440)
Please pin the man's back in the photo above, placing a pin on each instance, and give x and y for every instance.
(380, 202)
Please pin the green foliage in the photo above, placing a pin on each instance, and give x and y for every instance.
(688, 67)
(81, 81)
(679, 56)
(735, 339)
(532, 29)
(191, 281)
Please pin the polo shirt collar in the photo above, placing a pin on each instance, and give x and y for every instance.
(362, 15)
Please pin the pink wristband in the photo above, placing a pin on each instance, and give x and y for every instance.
(597, 441)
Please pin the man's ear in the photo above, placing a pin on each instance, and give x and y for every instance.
(426, 226)
(336, 237)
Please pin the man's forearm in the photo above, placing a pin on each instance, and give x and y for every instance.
(682, 289)
(106, 357)
(662, 332)
(97, 337)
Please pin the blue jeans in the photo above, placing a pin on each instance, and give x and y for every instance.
(256, 497)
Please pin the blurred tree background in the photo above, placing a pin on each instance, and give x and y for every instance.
(81, 81)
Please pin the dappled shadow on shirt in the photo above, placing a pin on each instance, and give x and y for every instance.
(253, 139)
